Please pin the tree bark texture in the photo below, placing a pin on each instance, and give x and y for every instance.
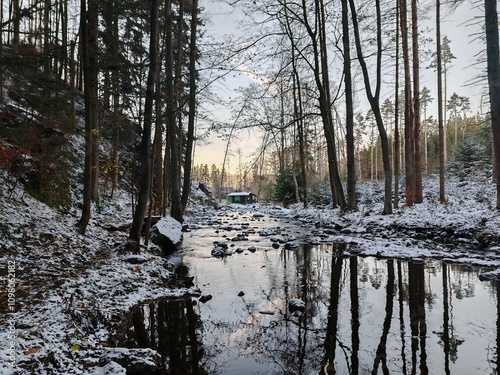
(87, 171)
(186, 188)
(417, 152)
(374, 99)
(142, 199)
(493, 66)
(351, 163)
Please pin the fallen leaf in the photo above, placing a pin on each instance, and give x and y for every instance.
(31, 351)
(75, 347)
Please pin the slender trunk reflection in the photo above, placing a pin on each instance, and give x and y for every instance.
(139, 327)
(402, 319)
(497, 287)
(353, 263)
(446, 318)
(152, 326)
(417, 315)
(328, 363)
(302, 331)
(382, 346)
(193, 339)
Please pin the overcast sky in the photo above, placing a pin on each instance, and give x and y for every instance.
(458, 26)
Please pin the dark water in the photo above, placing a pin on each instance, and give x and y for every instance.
(362, 315)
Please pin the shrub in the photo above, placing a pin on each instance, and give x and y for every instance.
(471, 155)
(284, 188)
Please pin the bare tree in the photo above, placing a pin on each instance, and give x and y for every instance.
(93, 56)
(186, 188)
(493, 66)
(442, 133)
(175, 122)
(317, 35)
(87, 178)
(349, 105)
(396, 115)
(374, 97)
(142, 201)
(416, 152)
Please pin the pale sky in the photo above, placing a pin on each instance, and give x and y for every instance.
(464, 45)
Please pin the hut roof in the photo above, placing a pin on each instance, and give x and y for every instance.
(240, 194)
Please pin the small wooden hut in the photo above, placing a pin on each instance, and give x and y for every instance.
(242, 197)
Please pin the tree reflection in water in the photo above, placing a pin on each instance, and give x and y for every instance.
(363, 315)
(328, 363)
(168, 326)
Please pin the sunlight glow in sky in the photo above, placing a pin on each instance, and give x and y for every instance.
(461, 27)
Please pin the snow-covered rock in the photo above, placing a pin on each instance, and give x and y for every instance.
(136, 361)
(167, 233)
(296, 304)
(112, 368)
(221, 250)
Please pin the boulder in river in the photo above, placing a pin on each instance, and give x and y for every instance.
(221, 250)
(167, 233)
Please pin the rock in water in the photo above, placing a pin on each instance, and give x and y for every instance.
(167, 233)
(221, 250)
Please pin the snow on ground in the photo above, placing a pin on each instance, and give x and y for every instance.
(456, 231)
(68, 285)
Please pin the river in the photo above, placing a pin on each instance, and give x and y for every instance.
(360, 314)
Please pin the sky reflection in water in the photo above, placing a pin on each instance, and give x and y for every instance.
(363, 315)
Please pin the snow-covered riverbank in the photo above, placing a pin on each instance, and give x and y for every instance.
(69, 287)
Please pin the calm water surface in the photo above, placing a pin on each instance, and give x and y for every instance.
(363, 315)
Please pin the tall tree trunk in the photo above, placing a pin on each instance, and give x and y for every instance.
(397, 146)
(493, 66)
(173, 132)
(298, 107)
(299, 118)
(192, 107)
(176, 206)
(93, 51)
(408, 119)
(374, 99)
(1, 52)
(442, 136)
(46, 38)
(339, 198)
(72, 82)
(318, 40)
(351, 163)
(417, 151)
(142, 201)
(87, 174)
(115, 78)
(16, 19)
(157, 188)
(64, 40)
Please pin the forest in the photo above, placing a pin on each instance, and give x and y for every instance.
(137, 80)
(379, 250)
